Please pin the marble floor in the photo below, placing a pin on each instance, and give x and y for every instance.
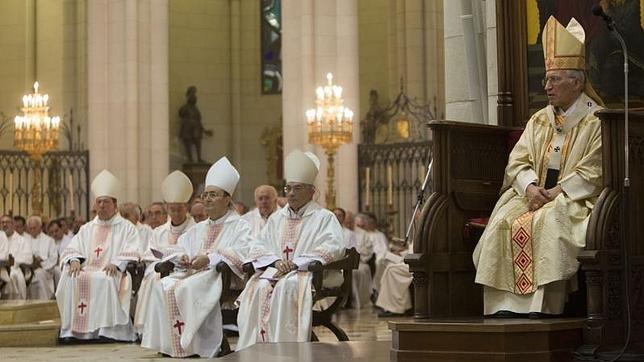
(360, 325)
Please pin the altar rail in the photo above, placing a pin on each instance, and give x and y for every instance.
(57, 169)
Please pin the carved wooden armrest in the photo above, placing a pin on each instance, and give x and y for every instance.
(349, 262)
(248, 269)
(164, 268)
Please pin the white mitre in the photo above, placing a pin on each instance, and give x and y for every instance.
(301, 167)
(106, 184)
(176, 188)
(224, 175)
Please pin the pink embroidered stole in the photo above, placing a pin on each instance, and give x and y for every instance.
(96, 261)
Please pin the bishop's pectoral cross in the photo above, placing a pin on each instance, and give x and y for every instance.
(82, 307)
(98, 251)
(178, 325)
(287, 251)
(263, 333)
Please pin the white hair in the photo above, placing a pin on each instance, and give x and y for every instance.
(35, 218)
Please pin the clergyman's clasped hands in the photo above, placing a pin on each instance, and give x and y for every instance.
(538, 196)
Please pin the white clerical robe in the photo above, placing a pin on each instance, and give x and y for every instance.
(280, 311)
(42, 283)
(15, 281)
(164, 238)
(361, 278)
(394, 295)
(145, 237)
(184, 316)
(94, 304)
(380, 246)
(255, 220)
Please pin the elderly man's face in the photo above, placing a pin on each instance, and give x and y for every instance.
(178, 212)
(7, 225)
(298, 194)
(265, 201)
(33, 228)
(105, 207)
(562, 90)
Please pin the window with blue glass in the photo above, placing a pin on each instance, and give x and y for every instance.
(271, 28)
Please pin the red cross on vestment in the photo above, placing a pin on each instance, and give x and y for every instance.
(263, 333)
(178, 326)
(287, 251)
(98, 251)
(82, 307)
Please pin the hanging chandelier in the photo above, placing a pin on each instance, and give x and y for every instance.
(35, 131)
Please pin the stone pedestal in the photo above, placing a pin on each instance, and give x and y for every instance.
(196, 172)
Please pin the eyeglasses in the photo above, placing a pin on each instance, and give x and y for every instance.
(295, 188)
(553, 79)
(212, 195)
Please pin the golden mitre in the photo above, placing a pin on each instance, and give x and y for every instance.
(563, 48)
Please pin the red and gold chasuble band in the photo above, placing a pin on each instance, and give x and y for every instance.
(522, 254)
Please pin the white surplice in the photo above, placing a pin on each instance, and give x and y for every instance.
(380, 246)
(362, 281)
(42, 283)
(94, 304)
(15, 281)
(280, 311)
(12, 277)
(255, 220)
(163, 239)
(184, 316)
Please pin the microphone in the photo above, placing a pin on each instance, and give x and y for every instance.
(599, 11)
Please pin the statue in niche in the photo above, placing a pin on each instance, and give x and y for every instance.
(373, 120)
(192, 130)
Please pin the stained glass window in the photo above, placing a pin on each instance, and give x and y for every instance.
(271, 28)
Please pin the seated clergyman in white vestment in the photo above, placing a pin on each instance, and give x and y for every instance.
(177, 191)
(94, 291)
(132, 212)
(527, 256)
(18, 252)
(184, 315)
(276, 303)
(395, 297)
(265, 205)
(361, 277)
(45, 256)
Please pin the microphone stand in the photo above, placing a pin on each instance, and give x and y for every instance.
(419, 200)
(625, 215)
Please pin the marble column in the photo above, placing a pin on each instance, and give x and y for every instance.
(127, 85)
(320, 37)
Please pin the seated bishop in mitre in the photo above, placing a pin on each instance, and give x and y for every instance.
(276, 305)
(94, 291)
(527, 256)
(177, 190)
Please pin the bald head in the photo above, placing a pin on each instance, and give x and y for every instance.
(198, 211)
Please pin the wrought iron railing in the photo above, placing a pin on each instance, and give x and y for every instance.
(62, 173)
(408, 163)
